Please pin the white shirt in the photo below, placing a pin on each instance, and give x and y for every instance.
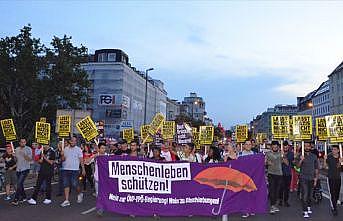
(72, 158)
(166, 155)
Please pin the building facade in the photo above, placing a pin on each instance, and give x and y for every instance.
(173, 109)
(118, 92)
(336, 90)
(262, 123)
(321, 100)
(194, 107)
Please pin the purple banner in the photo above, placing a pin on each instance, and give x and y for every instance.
(142, 187)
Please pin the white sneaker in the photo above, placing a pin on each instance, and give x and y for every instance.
(80, 198)
(65, 203)
(309, 211)
(32, 202)
(306, 215)
(245, 215)
(276, 209)
(47, 201)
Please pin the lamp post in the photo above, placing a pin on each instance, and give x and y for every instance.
(146, 92)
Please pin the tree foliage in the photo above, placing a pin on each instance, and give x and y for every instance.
(36, 80)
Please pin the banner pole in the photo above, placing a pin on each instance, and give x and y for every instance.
(340, 151)
(96, 141)
(325, 148)
(241, 147)
(12, 147)
(281, 147)
(62, 144)
(302, 148)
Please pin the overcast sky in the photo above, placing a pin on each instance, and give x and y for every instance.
(241, 57)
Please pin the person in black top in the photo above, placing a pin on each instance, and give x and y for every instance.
(333, 162)
(287, 165)
(10, 170)
(47, 159)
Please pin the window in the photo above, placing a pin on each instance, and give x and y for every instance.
(111, 57)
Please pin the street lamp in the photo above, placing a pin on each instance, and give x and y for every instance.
(146, 92)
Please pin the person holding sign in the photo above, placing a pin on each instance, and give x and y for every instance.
(273, 161)
(46, 172)
(24, 157)
(10, 173)
(309, 173)
(287, 165)
(72, 157)
(332, 162)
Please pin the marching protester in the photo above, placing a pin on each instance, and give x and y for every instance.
(46, 160)
(58, 163)
(309, 173)
(88, 159)
(287, 165)
(23, 155)
(10, 171)
(135, 151)
(167, 153)
(101, 152)
(333, 162)
(274, 161)
(157, 154)
(186, 153)
(229, 153)
(213, 155)
(72, 157)
(35, 166)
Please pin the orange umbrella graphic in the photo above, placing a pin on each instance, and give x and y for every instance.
(225, 178)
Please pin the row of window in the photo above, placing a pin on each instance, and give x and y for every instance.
(321, 99)
(321, 110)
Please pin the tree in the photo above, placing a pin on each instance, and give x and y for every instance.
(36, 80)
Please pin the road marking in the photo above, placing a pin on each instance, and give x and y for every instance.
(28, 188)
(88, 211)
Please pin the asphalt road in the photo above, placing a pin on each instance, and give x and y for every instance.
(86, 212)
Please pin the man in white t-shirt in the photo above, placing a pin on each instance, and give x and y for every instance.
(72, 157)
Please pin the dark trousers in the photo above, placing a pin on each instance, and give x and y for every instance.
(284, 190)
(20, 193)
(60, 180)
(335, 187)
(89, 176)
(274, 182)
(306, 193)
(43, 178)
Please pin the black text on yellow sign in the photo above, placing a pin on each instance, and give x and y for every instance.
(128, 134)
(168, 130)
(196, 139)
(8, 130)
(280, 126)
(302, 127)
(321, 131)
(241, 133)
(64, 125)
(334, 125)
(87, 128)
(156, 123)
(145, 136)
(260, 137)
(206, 135)
(42, 133)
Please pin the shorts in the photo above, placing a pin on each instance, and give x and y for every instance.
(10, 177)
(70, 178)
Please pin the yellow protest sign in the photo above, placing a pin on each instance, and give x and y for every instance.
(145, 136)
(280, 126)
(241, 133)
(168, 130)
(290, 133)
(302, 127)
(196, 139)
(156, 123)
(42, 133)
(334, 125)
(128, 134)
(64, 125)
(42, 119)
(8, 130)
(194, 130)
(87, 128)
(206, 135)
(321, 131)
(260, 137)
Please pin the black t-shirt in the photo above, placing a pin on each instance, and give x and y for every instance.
(46, 167)
(10, 160)
(123, 152)
(334, 171)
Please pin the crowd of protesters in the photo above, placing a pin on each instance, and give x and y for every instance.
(287, 169)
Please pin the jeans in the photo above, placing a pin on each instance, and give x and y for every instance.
(335, 187)
(89, 176)
(274, 182)
(20, 193)
(60, 181)
(284, 190)
(43, 178)
(306, 193)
